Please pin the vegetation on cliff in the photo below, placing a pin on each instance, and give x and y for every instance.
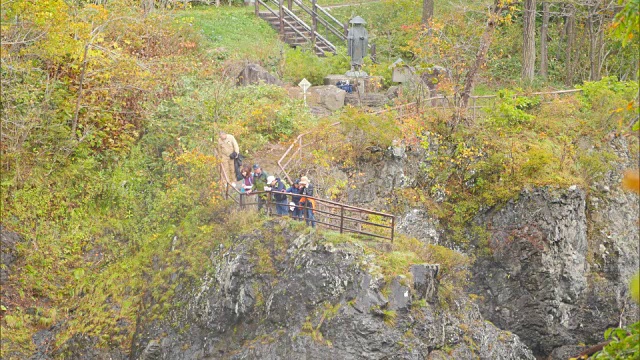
(109, 118)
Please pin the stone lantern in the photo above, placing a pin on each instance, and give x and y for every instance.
(358, 41)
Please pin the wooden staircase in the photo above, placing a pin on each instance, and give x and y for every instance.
(294, 31)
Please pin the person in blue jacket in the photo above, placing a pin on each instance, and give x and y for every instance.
(295, 199)
(282, 207)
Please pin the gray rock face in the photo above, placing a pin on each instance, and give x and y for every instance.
(418, 223)
(8, 252)
(319, 302)
(555, 278)
(254, 74)
(393, 169)
(424, 283)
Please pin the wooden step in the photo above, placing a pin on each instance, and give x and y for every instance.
(292, 33)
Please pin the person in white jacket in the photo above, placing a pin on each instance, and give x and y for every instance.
(228, 151)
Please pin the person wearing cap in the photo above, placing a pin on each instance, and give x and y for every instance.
(294, 190)
(260, 184)
(275, 184)
(228, 151)
(307, 204)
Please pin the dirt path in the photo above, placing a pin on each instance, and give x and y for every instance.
(267, 157)
(328, 7)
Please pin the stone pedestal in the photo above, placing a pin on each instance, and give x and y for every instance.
(367, 84)
(372, 100)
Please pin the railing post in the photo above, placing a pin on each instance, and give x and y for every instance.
(346, 29)
(474, 109)
(289, 4)
(281, 10)
(269, 203)
(373, 53)
(257, 2)
(393, 226)
(314, 21)
(341, 219)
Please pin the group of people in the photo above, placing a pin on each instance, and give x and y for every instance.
(254, 179)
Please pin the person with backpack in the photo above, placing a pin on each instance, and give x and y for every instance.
(307, 204)
(280, 197)
(294, 190)
(228, 152)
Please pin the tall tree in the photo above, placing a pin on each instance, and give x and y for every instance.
(529, 40)
(570, 35)
(483, 49)
(544, 38)
(595, 26)
(427, 11)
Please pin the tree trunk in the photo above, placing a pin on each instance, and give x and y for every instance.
(570, 31)
(147, 6)
(544, 34)
(427, 11)
(595, 22)
(529, 40)
(481, 55)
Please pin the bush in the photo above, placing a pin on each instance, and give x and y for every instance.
(303, 63)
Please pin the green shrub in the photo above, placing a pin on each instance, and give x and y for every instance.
(303, 63)
(510, 110)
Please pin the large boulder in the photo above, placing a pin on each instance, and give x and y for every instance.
(327, 96)
(254, 74)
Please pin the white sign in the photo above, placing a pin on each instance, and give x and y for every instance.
(304, 84)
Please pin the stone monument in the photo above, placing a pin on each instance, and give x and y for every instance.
(358, 42)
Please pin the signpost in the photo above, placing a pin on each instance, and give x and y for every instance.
(304, 84)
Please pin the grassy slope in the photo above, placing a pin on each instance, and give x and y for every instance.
(234, 33)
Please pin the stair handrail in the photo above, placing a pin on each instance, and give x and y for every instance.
(284, 20)
(334, 30)
(306, 27)
(332, 18)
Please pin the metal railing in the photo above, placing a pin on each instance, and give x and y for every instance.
(326, 213)
(297, 146)
(445, 102)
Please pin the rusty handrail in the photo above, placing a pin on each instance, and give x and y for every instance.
(318, 201)
(342, 217)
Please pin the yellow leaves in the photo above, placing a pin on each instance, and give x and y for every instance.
(635, 288)
(631, 180)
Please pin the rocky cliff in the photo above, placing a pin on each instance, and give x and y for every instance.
(560, 266)
(304, 297)
(559, 259)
